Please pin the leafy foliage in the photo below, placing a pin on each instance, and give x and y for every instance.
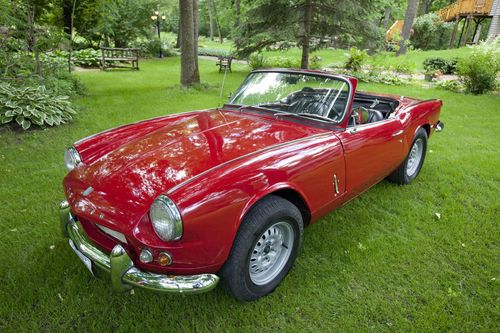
(479, 71)
(355, 59)
(445, 66)
(149, 48)
(86, 58)
(213, 52)
(334, 23)
(256, 61)
(451, 85)
(114, 22)
(33, 105)
(430, 32)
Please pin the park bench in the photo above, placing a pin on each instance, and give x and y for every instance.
(115, 57)
(224, 63)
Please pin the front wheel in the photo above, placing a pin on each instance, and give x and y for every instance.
(264, 250)
(410, 168)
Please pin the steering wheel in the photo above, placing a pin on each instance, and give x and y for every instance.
(334, 114)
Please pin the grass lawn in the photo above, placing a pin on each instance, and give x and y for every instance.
(383, 262)
(413, 59)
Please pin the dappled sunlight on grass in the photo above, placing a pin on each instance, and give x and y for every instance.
(381, 262)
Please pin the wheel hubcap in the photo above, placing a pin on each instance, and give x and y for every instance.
(271, 253)
(414, 157)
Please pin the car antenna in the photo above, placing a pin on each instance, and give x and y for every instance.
(222, 86)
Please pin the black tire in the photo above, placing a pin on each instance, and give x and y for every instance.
(402, 175)
(265, 214)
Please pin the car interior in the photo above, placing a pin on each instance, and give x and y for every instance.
(331, 103)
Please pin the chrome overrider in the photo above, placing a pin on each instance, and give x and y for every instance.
(124, 275)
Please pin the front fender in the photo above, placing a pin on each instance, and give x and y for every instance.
(214, 205)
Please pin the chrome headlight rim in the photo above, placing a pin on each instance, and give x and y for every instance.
(71, 158)
(164, 202)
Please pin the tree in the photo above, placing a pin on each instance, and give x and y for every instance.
(306, 33)
(190, 74)
(411, 12)
(309, 24)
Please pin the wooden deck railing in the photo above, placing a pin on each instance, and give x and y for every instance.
(464, 8)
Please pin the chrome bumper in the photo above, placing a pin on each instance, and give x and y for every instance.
(124, 275)
(439, 127)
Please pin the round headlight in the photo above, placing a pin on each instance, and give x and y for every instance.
(166, 219)
(71, 158)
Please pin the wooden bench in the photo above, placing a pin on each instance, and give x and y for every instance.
(110, 57)
(224, 63)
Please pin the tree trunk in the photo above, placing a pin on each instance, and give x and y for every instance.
(424, 7)
(306, 37)
(237, 9)
(71, 35)
(217, 23)
(67, 9)
(211, 21)
(387, 18)
(189, 60)
(411, 12)
(196, 26)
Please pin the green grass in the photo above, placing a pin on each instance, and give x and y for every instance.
(413, 59)
(383, 262)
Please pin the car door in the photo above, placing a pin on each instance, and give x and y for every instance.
(372, 151)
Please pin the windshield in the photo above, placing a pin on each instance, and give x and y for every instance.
(312, 95)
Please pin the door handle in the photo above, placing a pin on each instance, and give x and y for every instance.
(336, 184)
(397, 133)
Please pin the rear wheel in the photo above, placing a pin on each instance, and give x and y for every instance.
(410, 168)
(264, 249)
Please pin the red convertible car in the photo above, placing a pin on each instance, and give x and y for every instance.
(175, 203)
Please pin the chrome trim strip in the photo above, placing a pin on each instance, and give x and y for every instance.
(124, 275)
(397, 133)
(336, 183)
(113, 233)
(181, 184)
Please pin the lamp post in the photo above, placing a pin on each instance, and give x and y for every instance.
(157, 19)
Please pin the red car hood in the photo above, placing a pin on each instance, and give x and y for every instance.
(142, 161)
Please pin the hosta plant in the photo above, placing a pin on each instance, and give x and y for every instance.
(33, 105)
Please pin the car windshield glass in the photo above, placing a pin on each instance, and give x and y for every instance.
(302, 94)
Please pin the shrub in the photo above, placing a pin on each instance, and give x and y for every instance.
(355, 59)
(86, 58)
(82, 58)
(430, 32)
(451, 85)
(445, 66)
(282, 62)
(404, 66)
(374, 74)
(151, 48)
(214, 52)
(315, 62)
(479, 71)
(33, 105)
(256, 61)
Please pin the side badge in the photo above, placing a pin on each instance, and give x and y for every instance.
(88, 191)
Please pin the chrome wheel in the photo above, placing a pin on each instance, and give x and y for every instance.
(271, 253)
(415, 157)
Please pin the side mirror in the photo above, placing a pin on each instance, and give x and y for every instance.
(355, 120)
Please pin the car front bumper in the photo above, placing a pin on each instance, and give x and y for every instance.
(124, 275)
